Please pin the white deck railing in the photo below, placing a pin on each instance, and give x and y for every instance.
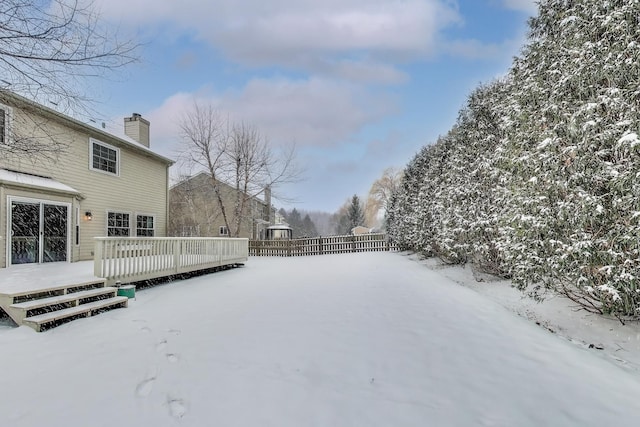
(132, 259)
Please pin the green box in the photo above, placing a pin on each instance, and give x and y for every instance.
(128, 291)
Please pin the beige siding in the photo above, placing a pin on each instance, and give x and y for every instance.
(194, 206)
(141, 186)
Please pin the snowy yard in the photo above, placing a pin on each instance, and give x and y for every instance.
(374, 339)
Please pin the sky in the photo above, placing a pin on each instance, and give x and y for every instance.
(356, 85)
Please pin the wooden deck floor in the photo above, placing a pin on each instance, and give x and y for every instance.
(32, 277)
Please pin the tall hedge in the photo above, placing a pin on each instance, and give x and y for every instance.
(539, 178)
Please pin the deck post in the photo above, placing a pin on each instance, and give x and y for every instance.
(97, 258)
(176, 256)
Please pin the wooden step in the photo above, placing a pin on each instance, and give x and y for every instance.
(74, 297)
(52, 319)
(20, 297)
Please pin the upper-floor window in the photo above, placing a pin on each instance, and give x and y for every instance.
(144, 225)
(224, 231)
(118, 224)
(104, 157)
(5, 117)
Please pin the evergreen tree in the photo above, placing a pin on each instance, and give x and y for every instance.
(355, 213)
(309, 227)
(301, 227)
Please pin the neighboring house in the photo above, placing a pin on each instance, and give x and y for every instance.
(196, 212)
(98, 184)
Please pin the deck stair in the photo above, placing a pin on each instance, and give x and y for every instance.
(43, 309)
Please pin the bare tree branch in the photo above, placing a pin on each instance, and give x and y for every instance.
(50, 50)
(235, 155)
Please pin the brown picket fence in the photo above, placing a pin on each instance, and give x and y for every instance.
(322, 245)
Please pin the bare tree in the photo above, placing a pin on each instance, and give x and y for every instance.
(236, 157)
(380, 193)
(49, 51)
(48, 47)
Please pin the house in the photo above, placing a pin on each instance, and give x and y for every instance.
(79, 183)
(196, 212)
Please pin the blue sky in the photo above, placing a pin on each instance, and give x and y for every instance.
(357, 85)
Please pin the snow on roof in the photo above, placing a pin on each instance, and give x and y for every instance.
(118, 132)
(29, 180)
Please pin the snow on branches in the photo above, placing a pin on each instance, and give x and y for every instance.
(539, 178)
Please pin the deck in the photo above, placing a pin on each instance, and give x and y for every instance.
(45, 295)
(37, 277)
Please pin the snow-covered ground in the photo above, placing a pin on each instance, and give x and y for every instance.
(375, 339)
(558, 315)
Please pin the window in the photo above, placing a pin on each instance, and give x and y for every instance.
(104, 157)
(224, 231)
(118, 224)
(144, 225)
(5, 117)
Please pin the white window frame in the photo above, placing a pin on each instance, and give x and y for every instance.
(8, 118)
(223, 230)
(108, 146)
(107, 222)
(153, 217)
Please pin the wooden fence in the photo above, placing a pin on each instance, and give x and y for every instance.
(321, 245)
(132, 259)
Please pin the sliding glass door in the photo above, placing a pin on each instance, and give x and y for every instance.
(39, 232)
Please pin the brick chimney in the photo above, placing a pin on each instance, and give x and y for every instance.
(137, 128)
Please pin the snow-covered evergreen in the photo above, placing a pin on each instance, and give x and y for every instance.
(538, 180)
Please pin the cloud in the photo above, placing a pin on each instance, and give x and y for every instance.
(406, 28)
(313, 111)
(354, 38)
(308, 112)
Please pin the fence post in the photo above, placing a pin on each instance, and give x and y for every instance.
(320, 248)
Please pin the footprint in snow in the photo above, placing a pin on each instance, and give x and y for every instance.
(173, 358)
(144, 388)
(175, 331)
(145, 329)
(177, 407)
(161, 345)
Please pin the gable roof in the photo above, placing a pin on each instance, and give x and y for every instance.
(202, 177)
(119, 140)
